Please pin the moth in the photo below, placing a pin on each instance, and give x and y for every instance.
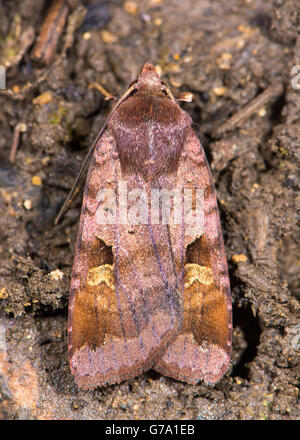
(149, 286)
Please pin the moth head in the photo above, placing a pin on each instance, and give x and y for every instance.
(148, 78)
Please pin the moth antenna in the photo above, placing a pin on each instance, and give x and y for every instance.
(104, 92)
(75, 187)
(101, 89)
(114, 97)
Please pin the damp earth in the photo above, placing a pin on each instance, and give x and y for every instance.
(240, 60)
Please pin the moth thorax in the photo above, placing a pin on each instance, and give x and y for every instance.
(149, 85)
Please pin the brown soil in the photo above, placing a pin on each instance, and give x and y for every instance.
(226, 52)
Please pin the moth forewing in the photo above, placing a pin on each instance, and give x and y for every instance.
(147, 294)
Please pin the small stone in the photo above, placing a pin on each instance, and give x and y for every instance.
(262, 111)
(224, 61)
(131, 7)
(42, 99)
(3, 293)
(27, 204)
(36, 181)
(239, 258)
(175, 82)
(56, 275)
(87, 35)
(220, 91)
(108, 37)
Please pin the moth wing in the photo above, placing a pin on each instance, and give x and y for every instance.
(202, 348)
(124, 306)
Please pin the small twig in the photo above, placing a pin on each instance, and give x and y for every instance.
(74, 21)
(273, 91)
(19, 128)
(51, 31)
(102, 90)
